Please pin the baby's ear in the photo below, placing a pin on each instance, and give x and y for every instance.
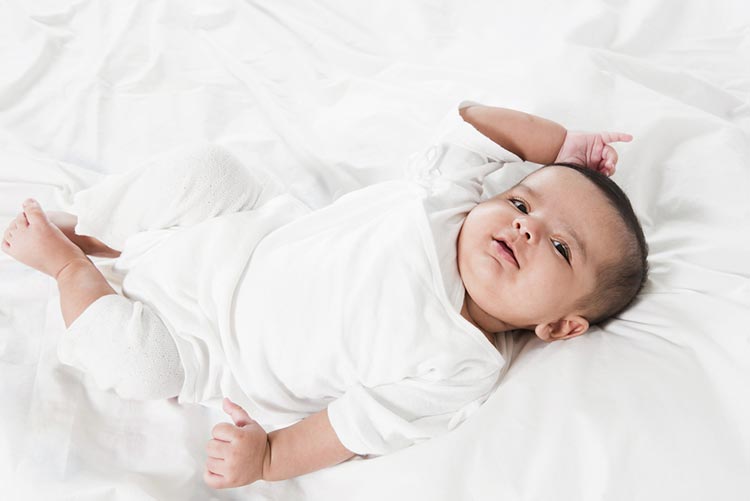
(565, 328)
(544, 332)
(574, 326)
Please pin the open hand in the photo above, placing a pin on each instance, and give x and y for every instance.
(237, 452)
(592, 150)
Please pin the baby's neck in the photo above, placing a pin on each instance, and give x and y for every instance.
(465, 313)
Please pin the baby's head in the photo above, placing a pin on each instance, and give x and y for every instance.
(558, 210)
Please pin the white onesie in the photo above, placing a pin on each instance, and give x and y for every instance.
(354, 306)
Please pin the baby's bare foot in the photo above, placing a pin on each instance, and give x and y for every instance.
(89, 245)
(33, 240)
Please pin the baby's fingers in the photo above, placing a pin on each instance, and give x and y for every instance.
(238, 414)
(612, 137)
(212, 479)
(609, 160)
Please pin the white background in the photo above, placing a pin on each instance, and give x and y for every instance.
(331, 96)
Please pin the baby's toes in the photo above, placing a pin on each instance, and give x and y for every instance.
(21, 220)
(34, 212)
(8, 234)
(12, 226)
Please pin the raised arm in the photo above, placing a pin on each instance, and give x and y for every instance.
(532, 138)
(543, 141)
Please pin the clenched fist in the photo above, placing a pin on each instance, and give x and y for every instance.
(237, 452)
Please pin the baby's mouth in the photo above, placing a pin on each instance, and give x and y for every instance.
(505, 247)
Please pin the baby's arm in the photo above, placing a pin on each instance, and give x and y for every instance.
(532, 138)
(306, 446)
(543, 141)
(243, 453)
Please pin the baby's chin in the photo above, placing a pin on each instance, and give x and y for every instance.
(480, 314)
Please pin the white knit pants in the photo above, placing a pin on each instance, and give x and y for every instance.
(124, 346)
(121, 343)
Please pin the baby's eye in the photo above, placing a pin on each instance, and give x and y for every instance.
(523, 204)
(563, 249)
(565, 252)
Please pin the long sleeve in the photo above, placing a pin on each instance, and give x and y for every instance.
(385, 418)
(459, 156)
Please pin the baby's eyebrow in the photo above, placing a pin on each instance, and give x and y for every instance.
(528, 190)
(576, 238)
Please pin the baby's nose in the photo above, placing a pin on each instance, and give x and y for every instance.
(523, 228)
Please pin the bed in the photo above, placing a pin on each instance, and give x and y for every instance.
(332, 96)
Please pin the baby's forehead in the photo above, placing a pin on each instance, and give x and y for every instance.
(561, 183)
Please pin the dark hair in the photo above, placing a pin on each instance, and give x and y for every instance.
(618, 283)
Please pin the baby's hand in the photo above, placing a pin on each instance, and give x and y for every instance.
(237, 452)
(592, 150)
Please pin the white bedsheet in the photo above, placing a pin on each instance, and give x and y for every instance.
(332, 96)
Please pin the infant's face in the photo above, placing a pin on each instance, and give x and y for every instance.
(540, 226)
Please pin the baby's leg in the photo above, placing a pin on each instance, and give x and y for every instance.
(124, 346)
(33, 240)
(179, 188)
(89, 245)
(121, 343)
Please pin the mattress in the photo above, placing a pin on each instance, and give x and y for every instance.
(332, 96)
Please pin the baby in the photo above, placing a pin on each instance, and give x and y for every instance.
(370, 323)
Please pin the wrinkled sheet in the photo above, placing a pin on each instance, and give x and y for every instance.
(332, 96)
